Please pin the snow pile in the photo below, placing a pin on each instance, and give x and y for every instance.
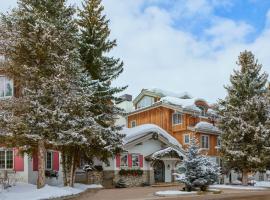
(179, 177)
(237, 187)
(167, 193)
(165, 152)
(168, 93)
(30, 192)
(188, 104)
(205, 126)
(262, 184)
(145, 129)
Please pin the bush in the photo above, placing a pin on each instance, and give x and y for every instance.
(131, 172)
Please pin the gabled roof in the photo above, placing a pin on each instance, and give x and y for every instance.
(132, 134)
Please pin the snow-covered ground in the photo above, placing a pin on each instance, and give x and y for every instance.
(29, 191)
(167, 193)
(262, 183)
(238, 187)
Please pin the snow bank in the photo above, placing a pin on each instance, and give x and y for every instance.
(262, 184)
(205, 126)
(166, 151)
(30, 192)
(145, 129)
(237, 187)
(167, 193)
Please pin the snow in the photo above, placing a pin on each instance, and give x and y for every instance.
(179, 177)
(30, 192)
(262, 183)
(238, 187)
(205, 126)
(173, 193)
(168, 93)
(145, 129)
(188, 104)
(164, 152)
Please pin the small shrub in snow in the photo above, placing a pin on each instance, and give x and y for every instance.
(200, 171)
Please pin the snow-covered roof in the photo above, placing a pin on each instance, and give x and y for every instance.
(164, 93)
(206, 126)
(188, 104)
(146, 129)
(165, 152)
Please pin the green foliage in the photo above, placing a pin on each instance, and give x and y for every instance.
(244, 117)
(131, 172)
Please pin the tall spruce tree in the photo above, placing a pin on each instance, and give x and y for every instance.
(38, 41)
(94, 47)
(244, 118)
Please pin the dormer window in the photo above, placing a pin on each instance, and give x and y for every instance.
(6, 87)
(145, 102)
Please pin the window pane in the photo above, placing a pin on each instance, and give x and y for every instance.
(135, 161)
(8, 88)
(124, 161)
(2, 160)
(49, 160)
(2, 86)
(186, 138)
(9, 159)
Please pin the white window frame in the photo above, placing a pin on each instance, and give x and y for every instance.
(12, 87)
(6, 150)
(138, 162)
(133, 125)
(185, 138)
(122, 155)
(208, 141)
(177, 114)
(50, 152)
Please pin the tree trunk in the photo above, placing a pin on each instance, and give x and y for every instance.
(245, 177)
(64, 166)
(41, 164)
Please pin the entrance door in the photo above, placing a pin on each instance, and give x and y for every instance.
(159, 171)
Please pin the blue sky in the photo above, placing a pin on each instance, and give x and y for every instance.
(184, 45)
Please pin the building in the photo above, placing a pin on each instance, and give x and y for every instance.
(180, 115)
(127, 105)
(24, 167)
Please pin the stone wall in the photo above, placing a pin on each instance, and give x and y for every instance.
(133, 181)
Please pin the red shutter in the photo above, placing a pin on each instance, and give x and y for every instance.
(35, 162)
(129, 160)
(141, 161)
(56, 160)
(18, 161)
(117, 158)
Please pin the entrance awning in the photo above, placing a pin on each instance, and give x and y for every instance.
(168, 152)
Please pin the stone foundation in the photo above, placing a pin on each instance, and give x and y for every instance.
(134, 181)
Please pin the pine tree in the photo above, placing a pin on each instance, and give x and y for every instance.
(200, 171)
(94, 47)
(38, 41)
(244, 118)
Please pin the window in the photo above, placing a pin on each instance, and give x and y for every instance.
(205, 141)
(49, 159)
(6, 159)
(124, 160)
(145, 101)
(133, 123)
(135, 160)
(186, 138)
(177, 118)
(6, 87)
(218, 141)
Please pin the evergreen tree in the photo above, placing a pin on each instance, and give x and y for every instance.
(244, 118)
(94, 47)
(200, 171)
(38, 41)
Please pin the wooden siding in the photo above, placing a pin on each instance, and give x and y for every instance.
(162, 117)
